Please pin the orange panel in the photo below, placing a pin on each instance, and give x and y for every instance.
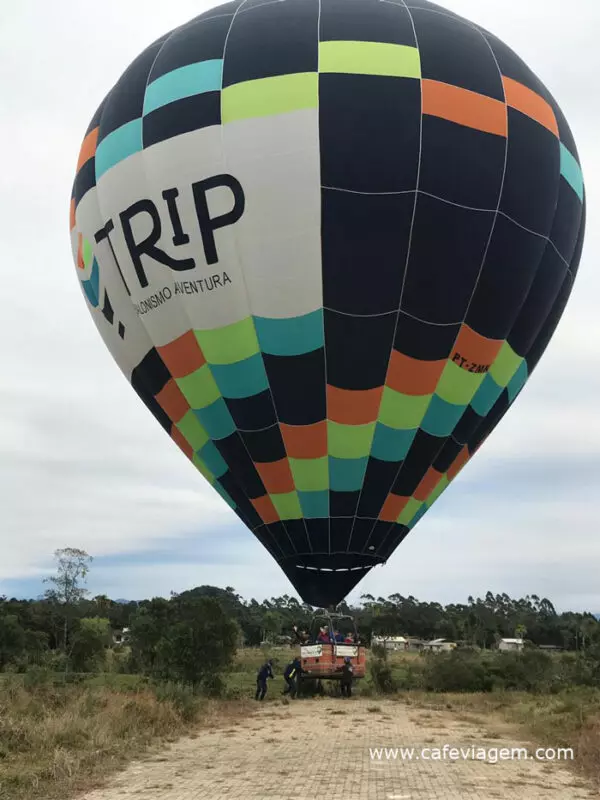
(80, 263)
(72, 214)
(265, 509)
(429, 482)
(88, 148)
(350, 407)
(464, 107)
(305, 441)
(393, 507)
(172, 401)
(182, 356)
(529, 103)
(182, 442)
(458, 463)
(475, 349)
(276, 476)
(412, 376)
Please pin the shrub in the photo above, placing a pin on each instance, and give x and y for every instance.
(381, 677)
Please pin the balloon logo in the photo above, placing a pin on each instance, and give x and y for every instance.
(327, 242)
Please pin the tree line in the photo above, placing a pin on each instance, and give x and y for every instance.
(190, 636)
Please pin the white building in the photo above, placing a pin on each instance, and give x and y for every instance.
(439, 645)
(510, 644)
(390, 642)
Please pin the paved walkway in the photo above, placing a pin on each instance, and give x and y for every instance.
(319, 750)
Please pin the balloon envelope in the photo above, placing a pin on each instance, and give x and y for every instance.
(327, 241)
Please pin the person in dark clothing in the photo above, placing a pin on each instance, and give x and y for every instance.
(346, 680)
(291, 675)
(266, 671)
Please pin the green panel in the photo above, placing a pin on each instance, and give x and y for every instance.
(270, 96)
(457, 385)
(202, 468)
(287, 505)
(310, 474)
(443, 483)
(506, 364)
(87, 253)
(370, 58)
(199, 387)
(409, 511)
(402, 411)
(192, 430)
(349, 441)
(232, 343)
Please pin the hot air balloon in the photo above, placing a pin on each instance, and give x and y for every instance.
(327, 242)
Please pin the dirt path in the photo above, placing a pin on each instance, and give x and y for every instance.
(319, 750)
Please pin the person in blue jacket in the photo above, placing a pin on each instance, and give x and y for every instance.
(291, 675)
(266, 671)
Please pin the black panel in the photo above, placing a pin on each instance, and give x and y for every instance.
(497, 411)
(340, 534)
(95, 121)
(266, 538)
(510, 266)
(369, 132)
(298, 386)
(547, 330)
(447, 455)
(265, 446)
(318, 532)
(199, 40)
(126, 100)
(322, 589)
(431, 7)
(539, 302)
(424, 341)
(182, 116)
(343, 504)
(272, 39)
(513, 67)
(461, 164)
(421, 455)
(575, 260)
(365, 240)
(564, 131)
(450, 49)
(296, 532)
(466, 426)
(358, 349)
(567, 221)
(252, 413)
(234, 490)
(365, 21)
(447, 248)
(239, 462)
(284, 541)
(84, 180)
(380, 536)
(394, 537)
(532, 173)
(151, 373)
(379, 477)
(360, 535)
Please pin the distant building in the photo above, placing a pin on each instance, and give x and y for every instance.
(438, 646)
(120, 636)
(510, 644)
(390, 642)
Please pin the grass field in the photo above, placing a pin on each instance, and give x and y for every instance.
(56, 740)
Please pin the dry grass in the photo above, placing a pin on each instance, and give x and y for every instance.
(56, 741)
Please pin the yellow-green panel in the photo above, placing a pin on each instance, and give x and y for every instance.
(192, 430)
(350, 441)
(408, 512)
(457, 385)
(370, 58)
(442, 484)
(402, 411)
(199, 387)
(202, 468)
(506, 364)
(267, 97)
(229, 344)
(287, 505)
(310, 474)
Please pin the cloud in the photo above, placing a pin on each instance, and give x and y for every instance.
(82, 462)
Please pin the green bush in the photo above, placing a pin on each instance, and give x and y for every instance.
(456, 672)
(382, 678)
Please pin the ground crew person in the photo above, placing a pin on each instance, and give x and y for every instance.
(346, 680)
(291, 676)
(266, 671)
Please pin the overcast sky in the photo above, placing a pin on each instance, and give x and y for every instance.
(83, 463)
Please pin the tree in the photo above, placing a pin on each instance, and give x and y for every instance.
(12, 639)
(72, 567)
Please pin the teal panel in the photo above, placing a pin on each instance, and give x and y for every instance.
(224, 494)
(571, 171)
(390, 444)
(216, 419)
(91, 287)
(417, 516)
(242, 379)
(292, 336)
(441, 417)
(314, 504)
(213, 459)
(517, 382)
(347, 474)
(486, 396)
(119, 144)
(204, 76)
